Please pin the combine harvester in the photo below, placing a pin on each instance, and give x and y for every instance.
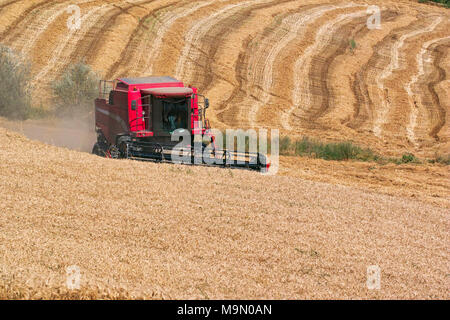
(151, 118)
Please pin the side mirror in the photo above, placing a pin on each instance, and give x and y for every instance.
(206, 103)
(133, 105)
(111, 97)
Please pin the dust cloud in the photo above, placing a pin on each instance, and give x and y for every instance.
(76, 133)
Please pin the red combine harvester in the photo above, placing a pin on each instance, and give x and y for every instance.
(136, 118)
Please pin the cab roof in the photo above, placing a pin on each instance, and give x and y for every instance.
(149, 80)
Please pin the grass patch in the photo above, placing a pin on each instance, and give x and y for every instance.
(445, 3)
(343, 151)
(335, 151)
(328, 151)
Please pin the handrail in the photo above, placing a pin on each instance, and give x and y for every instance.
(102, 88)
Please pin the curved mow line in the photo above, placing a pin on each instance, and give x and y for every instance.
(303, 64)
(204, 74)
(380, 118)
(73, 36)
(134, 41)
(409, 88)
(360, 87)
(442, 112)
(169, 19)
(21, 20)
(42, 24)
(292, 25)
(94, 47)
(363, 103)
(361, 92)
(3, 5)
(220, 116)
(164, 24)
(190, 52)
(272, 34)
(326, 101)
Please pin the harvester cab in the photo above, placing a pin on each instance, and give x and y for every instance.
(148, 118)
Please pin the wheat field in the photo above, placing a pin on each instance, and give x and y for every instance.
(162, 231)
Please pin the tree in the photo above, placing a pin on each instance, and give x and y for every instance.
(15, 96)
(76, 89)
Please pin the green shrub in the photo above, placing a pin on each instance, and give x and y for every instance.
(338, 151)
(327, 151)
(409, 157)
(285, 145)
(15, 96)
(352, 45)
(445, 3)
(76, 90)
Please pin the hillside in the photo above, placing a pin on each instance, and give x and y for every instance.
(264, 63)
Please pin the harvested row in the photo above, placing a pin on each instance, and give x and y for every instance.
(140, 52)
(204, 39)
(442, 89)
(108, 41)
(62, 54)
(382, 86)
(257, 64)
(439, 113)
(273, 55)
(226, 65)
(83, 44)
(37, 30)
(422, 93)
(383, 112)
(14, 13)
